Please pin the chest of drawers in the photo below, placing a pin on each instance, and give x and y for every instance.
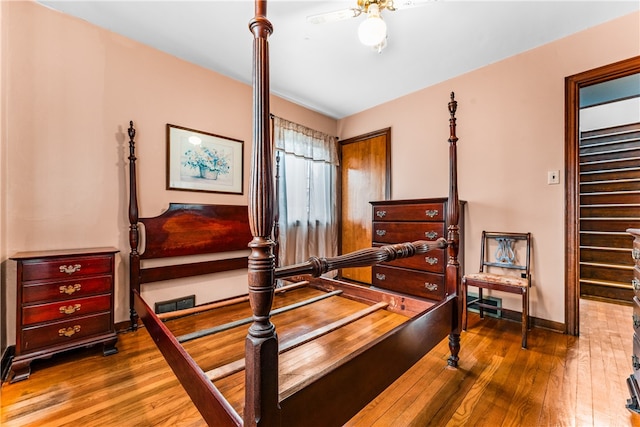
(398, 221)
(632, 382)
(64, 301)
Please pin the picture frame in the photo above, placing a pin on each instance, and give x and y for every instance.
(203, 161)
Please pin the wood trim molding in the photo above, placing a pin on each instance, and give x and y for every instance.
(535, 322)
(5, 363)
(573, 84)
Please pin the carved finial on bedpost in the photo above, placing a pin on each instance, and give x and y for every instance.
(134, 256)
(453, 236)
(261, 346)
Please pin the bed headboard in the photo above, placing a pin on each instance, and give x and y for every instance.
(182, 230)
(186, 229)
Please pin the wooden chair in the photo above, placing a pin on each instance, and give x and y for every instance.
(508, 271)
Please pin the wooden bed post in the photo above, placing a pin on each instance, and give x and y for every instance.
(134, 256)
(261, 345)
(453, 237)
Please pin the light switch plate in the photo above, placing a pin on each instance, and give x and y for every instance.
(553, 177)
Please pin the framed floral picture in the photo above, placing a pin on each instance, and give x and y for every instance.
(201, 161)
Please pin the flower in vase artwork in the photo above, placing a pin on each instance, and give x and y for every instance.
(200, 161)
(206, 162)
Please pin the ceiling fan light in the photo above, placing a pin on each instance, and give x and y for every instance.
(378, 48)
(372, 31)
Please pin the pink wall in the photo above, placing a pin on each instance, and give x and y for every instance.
(511, 130)
(71, 89)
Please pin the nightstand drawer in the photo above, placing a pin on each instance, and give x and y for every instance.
(418, 212)
(65, 332)
(55, 291)
(64, 268)
(421, 284)
(65, 309)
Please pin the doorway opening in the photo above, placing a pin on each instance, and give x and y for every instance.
(583, 201)
(609, 187)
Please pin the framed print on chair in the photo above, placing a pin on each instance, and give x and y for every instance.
(202, 161)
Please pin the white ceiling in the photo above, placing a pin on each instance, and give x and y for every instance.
(324, 67)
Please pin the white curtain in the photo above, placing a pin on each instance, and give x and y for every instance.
(307, 199)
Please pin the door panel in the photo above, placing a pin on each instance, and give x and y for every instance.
(365, 177)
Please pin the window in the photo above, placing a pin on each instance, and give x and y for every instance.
(307, 192)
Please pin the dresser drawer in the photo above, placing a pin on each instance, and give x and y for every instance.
(636, 315)
(417, 212)
(68, 331)
(635, 357)
(434, 261)
(399, 232)
(58, 291)
(421, 284)
(65, 309)
(64, 268)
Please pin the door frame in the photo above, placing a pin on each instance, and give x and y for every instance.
(573, 84)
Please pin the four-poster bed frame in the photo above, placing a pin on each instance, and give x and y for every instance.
(335, 394)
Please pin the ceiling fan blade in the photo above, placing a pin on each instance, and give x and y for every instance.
(407, 4)
(338, 15)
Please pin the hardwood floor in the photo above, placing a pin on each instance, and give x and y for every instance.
(559, 381)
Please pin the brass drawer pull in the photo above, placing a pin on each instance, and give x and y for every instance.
(70, 331)
(635, 254)
(431, 234)
(431, 213)
(70, 269)
(70, 289)
(431, 261)
(380, 276)
(431, 286)
(636, 284)
(381, 214)
(381, 232)
(69, 309)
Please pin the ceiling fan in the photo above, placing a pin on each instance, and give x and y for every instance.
(373, 30)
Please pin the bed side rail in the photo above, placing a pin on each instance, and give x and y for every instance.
(212, 405)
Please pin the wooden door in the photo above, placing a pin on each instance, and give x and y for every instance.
(609, 204)
(365, 177)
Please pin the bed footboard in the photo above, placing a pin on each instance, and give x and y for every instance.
(333, 397)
